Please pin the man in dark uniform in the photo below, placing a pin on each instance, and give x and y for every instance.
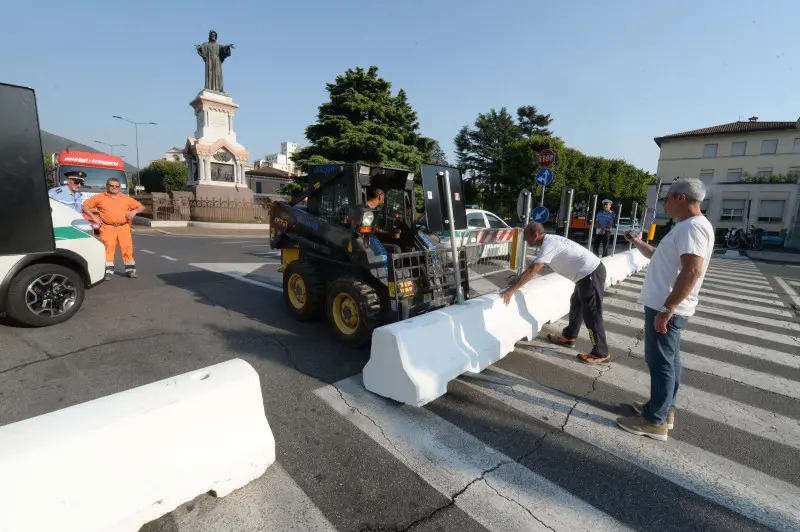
(70, 194)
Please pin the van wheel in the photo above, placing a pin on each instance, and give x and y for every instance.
(45, 294)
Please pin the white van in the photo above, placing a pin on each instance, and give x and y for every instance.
(49, 257)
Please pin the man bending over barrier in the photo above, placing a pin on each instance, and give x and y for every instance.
(585, 269)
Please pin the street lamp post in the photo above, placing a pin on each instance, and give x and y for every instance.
(110, 146)
(136, 128)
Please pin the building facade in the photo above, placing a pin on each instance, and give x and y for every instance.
(282, 160)
(268, 182)
(750, 168)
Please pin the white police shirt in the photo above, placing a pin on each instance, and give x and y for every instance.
(68, 198)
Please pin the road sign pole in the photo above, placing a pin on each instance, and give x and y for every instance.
(454, 247)
(655, 208)
(591, 226)
(542, 203)
(633, 220)
(521, 262)
(616, 229)
(568, 217)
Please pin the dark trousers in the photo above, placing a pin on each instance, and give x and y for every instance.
(662, 352)
(601, 240)
(586, 304)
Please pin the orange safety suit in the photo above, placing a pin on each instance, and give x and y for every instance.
(112, 211)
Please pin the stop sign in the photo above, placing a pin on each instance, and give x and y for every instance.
(547, 158)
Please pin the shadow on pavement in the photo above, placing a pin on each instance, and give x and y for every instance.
(303, 347)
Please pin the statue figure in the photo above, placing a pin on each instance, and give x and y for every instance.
(213, 55)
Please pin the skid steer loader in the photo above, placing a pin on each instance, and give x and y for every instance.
(334, 259)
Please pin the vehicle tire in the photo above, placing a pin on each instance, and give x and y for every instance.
(733, 243)
(352, 310)
(45, 294)
(757, 243)
(303, 291)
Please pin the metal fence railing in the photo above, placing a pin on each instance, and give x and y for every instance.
(491, 251)
(161, 207)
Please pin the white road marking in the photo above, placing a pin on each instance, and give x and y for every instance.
(753, 332)
(634, 283)
(744, 279)
(168, 258)
(273, 501)
(743, 490)
(238, 271)
(716, 301)
(724, 290)
(498, 492)
(762, 353)
(147, 251)
(237, 242)
(789, 291)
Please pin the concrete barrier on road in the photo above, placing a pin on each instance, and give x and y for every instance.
(121, 461)
(412, 361)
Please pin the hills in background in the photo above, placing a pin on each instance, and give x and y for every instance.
(52, 143)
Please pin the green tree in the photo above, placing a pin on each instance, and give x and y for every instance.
(436, 155)
(532, 122)
(164, 176)
(363, 122)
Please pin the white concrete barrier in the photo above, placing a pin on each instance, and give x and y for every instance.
(412, 361)
(118, 462)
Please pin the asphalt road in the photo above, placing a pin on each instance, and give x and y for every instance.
(530, 444)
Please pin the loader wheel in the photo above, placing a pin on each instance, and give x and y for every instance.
(303, 291)
(352, 311)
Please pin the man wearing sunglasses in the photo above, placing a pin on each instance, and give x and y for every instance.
(70, 194)
(115, 213)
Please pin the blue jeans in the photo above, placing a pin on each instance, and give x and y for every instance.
(662, 352)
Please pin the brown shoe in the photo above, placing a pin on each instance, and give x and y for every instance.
(590, 358)
(639, 407)
(641, 427)
(560, 339)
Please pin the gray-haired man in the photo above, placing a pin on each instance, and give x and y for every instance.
(669, 295)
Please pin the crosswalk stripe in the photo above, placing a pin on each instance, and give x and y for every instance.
(794, 296)
(791, 341)
(245, 510)
(748, 492)
(767, 291)
(635, 283)
(717, 301)
(744, 417)
(763, 353)
(621, 344)
(746, 279)
(724, 268)
(490, 487)
(724, 290)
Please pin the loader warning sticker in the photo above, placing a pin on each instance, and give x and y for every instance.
(430, 194)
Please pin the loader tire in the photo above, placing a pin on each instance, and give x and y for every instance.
(352, 310)
(303, 291)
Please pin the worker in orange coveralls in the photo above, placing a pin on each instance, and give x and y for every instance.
(115, 212)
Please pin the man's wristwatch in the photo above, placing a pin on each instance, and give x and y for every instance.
(666, 310)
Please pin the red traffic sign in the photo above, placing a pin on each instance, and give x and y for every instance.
(546, 158)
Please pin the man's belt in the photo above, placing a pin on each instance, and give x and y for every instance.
(116, 224)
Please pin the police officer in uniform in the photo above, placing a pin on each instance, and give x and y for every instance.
(604, 223)
(70, 194)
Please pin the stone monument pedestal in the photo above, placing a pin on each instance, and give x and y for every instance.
(216, 160)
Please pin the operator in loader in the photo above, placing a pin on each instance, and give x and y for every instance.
(376, 199)
(571, 260)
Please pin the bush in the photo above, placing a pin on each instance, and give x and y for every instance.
(164, 176)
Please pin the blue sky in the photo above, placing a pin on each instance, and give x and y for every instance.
(613, 74)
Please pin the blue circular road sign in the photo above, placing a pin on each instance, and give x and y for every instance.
(544, 176)
(540, 214)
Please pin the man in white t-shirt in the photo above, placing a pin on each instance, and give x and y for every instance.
(669, 295)
(585, 269)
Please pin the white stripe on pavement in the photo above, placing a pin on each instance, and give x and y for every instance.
(751, 280)
(748, 492)
(791, 341)
(741, 416)
(766, 291)
(169, 258)
(238, 271)
(493, 489)
(789, 291)
(716, 301)
(724, 290)
(620, 343)
(784, 358)
(634, 283)
(273, 501)
(147, 251)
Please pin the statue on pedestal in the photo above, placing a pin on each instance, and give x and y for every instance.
(213, 55)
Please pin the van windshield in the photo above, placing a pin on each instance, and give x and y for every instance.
(95, 180)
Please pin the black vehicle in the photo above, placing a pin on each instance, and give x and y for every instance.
(334, 261)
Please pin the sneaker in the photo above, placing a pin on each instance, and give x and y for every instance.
(639, 407)
(641, 427)
(109, 275)
(590, 358)
(132, 274)
(561, 340)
